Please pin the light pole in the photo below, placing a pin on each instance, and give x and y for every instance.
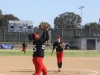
(81, 14)
(4, 27)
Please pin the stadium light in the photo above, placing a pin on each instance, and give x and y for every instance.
(81, 13)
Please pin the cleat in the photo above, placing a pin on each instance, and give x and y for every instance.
(59, 70)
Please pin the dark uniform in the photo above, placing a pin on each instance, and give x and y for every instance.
(38, 53)
(59, 53)
(57, 46)
(24, 45)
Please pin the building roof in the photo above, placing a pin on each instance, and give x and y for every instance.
(86, 37)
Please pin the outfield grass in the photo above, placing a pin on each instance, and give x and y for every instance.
(68, 53)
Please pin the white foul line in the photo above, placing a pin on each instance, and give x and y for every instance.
(94, 72)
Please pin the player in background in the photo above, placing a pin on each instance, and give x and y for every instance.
(67, 45)
(59, 52)
(24, 46)
(38, 53)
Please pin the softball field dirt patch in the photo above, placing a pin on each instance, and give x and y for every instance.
(22, 65)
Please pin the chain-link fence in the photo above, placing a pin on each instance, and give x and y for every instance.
(67, 35)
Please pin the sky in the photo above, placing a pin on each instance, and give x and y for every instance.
(46, 10)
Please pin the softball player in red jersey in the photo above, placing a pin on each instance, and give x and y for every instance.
(59, 52)
(38, 53)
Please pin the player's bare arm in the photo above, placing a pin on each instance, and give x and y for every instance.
(53, 48)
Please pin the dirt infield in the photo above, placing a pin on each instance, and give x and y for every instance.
(22, 65)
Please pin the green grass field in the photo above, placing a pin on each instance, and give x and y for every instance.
(67, 53)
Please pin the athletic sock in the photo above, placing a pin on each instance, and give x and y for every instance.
(60, 64)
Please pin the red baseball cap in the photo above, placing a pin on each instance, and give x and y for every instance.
(35, 35)
(58, 36)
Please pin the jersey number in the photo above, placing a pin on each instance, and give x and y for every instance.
(43, 46)
(34, 47)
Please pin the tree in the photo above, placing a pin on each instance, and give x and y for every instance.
(36, 27)
(4, 19)
(1, 19)
(46, 23)
(0, 11)
(93, 25)
(67, 20)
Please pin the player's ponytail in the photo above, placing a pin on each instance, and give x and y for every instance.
(30, 36)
